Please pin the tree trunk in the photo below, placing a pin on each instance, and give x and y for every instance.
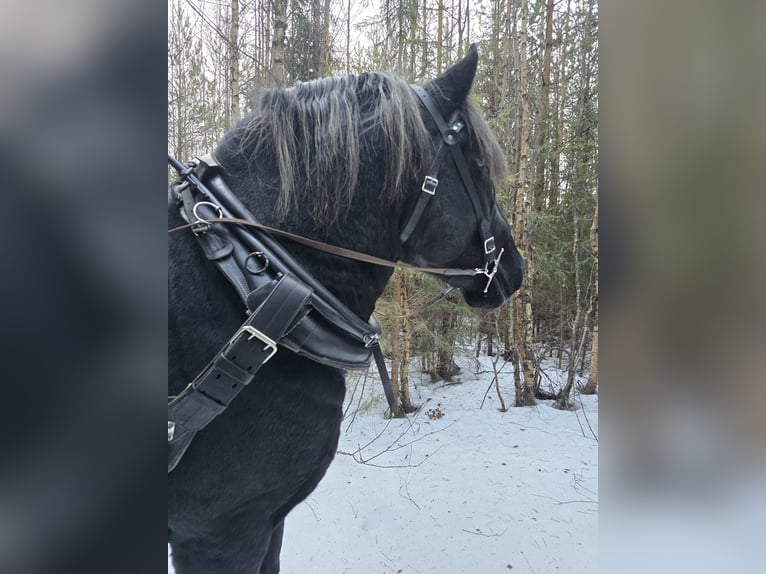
(505, 330)
(443, 357)
(553, 195)
(424, 43)
(278, 42)
(234, 112)
(325, 69)
(541, 126)
(348, 37)
(404, 365)
(265, 17)
(494, 91)
(522, 305)
(590, 387)
(439, 34)
(562, 400)
(396, 354)
(580, 165)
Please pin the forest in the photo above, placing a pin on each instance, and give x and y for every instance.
(537, 85)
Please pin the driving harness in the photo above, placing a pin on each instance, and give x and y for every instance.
(286, 305)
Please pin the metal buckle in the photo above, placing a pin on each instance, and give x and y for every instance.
(489, 245)
(429, 185)
(371, 339)
(271, 344)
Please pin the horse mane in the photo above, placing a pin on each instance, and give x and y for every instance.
(319, 133)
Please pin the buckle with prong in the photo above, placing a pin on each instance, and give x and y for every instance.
(271, 344)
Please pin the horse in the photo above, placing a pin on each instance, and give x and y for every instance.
(342, 160)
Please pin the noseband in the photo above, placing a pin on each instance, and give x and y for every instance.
(447, 140)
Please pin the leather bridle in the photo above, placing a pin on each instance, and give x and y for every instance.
(447, 139)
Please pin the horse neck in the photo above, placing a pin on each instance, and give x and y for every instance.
(371, 227)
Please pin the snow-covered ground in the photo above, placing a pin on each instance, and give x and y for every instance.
(473, 491)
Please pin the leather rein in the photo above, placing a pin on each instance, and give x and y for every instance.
(331, 249)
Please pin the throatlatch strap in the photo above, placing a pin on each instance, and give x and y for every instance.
(235, 365)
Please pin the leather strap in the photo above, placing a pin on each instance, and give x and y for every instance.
(324, 302)
(427, 191)
(483, 212)
(335, 250)
(259, 239)
(380, 362)
(436, 115)
(235, 365)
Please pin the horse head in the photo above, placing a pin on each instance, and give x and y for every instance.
(462, 226)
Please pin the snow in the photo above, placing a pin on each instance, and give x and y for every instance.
(476, 490)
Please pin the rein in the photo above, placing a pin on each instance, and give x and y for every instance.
(348, 254)
(331, 249)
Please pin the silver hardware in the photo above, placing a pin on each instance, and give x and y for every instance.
(201, 225)
(491, 274)
(429, 185)
(264, 265)
(171, 430)
(371, 339)
(271, 344)
(489, 245)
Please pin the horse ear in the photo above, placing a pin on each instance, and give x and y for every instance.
(451, 88)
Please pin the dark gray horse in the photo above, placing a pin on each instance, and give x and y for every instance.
(341, 160)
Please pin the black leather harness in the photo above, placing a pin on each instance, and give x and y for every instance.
(285, 304)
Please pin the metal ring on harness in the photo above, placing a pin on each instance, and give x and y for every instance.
(201, 225)
(250, 264)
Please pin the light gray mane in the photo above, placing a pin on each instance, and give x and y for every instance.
(315, 133)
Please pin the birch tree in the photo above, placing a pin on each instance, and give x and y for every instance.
(522, 303)
(279, 15)
(590, 387)
(235, 110)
